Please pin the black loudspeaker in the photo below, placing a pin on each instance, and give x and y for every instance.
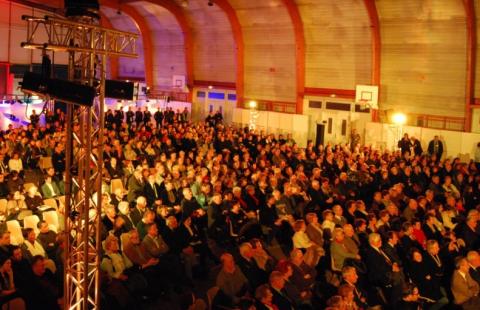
(71, 92)
(65, 91)
(82, 8)
(34, 84)
(119, 90)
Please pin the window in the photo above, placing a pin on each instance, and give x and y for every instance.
(218, 96)
(338, 106)
(315, 104)
(200, 94)
(232, 97)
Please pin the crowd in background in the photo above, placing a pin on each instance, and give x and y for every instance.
(282, 227)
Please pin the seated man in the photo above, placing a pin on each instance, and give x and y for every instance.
(232, 282)
(31, 248)
(50, 188)
(464, 289)
(47, 238)
(339, 251)
(44, 287)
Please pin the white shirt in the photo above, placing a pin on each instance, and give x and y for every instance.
(15, 164)
(301, 240)
(35, 249)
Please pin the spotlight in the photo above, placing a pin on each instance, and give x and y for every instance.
(210, 2)
(399, 119)
(252, 104)
(210, 87)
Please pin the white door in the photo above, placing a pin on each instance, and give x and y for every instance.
(337, 126)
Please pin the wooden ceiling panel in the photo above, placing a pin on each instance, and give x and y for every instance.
(338, 43)
(423, 56)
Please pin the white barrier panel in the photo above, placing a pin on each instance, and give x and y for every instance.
(276, 123)
(455, 144)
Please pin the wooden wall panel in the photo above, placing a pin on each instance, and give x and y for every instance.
(477, 63)
(18, 33)
(214, 46)
(168, 43)
(127, 67)
(270, 72)
(423, 56)
(338, 43)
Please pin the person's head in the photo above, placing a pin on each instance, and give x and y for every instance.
(312, 218)
(111, 244)
(473, 259)
(5, 263)
(246, 250)
(416, 256)
(299, 225)
(43, 227)
(346, 291)
(141, 202)
(375, 240)
(228, 263)
(276, 280)
(30, 235)
(148, 217)
(17, 254)
(461, 264)
(392, 237)
(348, 230)
(123, 207)
(432, 247)
(349, 274)
(172, 222)
(38, 265)
(337, 209)
(285, 267)
(110, 211)
(338, 235)
(5, 238)
(187, 193)
(263, 294)
(134, 237)
(410, 293)
(152, 230)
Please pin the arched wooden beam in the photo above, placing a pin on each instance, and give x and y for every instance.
(113, 60)
(471, 61)
(299, 51)
(179, 15)
(240, 48)
(376, 46)
(145, 33)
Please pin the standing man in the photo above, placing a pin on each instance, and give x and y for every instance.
(158, 116)
(354, 139)
(138, 117)
(435, 147)
(130, 115)
(405, 144)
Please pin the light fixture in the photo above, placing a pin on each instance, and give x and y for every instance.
(252, 104)
(210, 87)
(399, 119)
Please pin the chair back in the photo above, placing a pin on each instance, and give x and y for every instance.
(16, 235)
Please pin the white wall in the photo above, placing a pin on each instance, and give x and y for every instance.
(275, 123)
(455, 143)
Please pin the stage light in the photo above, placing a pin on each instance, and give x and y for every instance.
(399, 119)
(210, 87)
(252, 104)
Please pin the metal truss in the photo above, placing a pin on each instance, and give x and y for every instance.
(66, 35)
(88, 47)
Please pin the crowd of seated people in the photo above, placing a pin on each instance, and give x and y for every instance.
(280, 226)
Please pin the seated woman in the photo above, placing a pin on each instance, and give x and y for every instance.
(313, 251)
(33, 199)
(31, 247)
(9, 297)
(117, 268)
